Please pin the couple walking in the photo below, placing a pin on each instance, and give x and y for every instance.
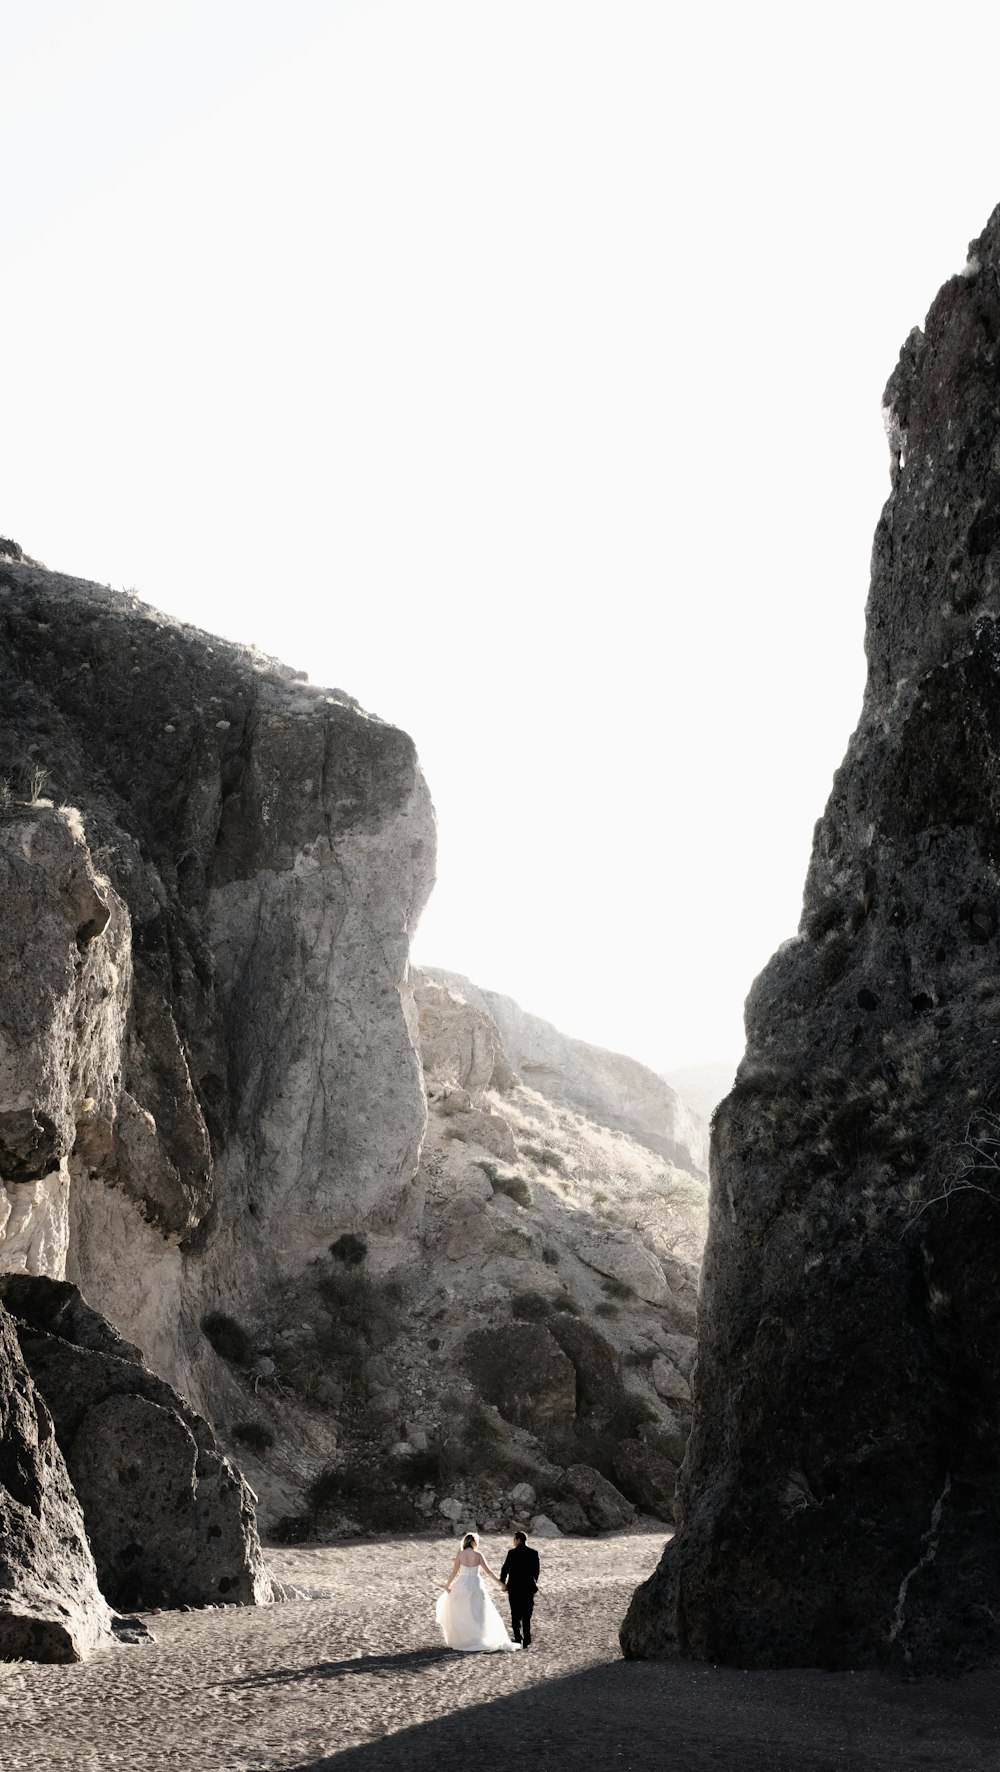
(465, 1612)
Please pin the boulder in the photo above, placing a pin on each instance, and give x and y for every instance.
(522, 1370)
(668, 1382)
(543, 1527)
(683, 1351)
(459, 1045)
(621, 1256)
(170, 1520)
(485, 1130)
(51, 1608)
(596, 1363)
(570, 1516)
(606, 1508)
(523, 1496)
(841, 1489)
(647, 1475)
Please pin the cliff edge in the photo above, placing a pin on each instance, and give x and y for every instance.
(840, 1500)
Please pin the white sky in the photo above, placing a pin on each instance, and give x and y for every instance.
(514, 365)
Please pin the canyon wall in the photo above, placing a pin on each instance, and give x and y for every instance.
(840, 1500)
(207, 1053)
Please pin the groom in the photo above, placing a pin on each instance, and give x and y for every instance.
(519, 1580)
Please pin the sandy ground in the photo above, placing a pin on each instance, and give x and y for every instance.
(355, 1678)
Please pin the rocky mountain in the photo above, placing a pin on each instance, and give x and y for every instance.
(841, 1496)
(605, 1087)
(255, 1173)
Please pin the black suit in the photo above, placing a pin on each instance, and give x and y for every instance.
(520, 1572)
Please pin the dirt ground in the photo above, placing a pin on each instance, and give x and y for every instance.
(355, 1678)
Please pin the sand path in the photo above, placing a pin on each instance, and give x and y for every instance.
(354, 1678)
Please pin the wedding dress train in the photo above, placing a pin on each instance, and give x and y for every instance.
(468, 1617)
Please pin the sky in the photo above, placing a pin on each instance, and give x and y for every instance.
(514, 365)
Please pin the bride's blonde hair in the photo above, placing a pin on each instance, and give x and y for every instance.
(469, 1540)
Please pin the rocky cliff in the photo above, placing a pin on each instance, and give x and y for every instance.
(607, 1088)
(210, 869)
(414, 1254)
(841, 1496)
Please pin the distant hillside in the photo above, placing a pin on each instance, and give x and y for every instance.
(703, 1086)
(607, 1087)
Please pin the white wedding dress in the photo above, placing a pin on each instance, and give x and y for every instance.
(467, 1616)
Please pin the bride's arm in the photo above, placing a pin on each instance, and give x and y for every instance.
(457, 1564)
(484, 1564)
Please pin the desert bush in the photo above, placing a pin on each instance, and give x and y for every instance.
(544, 1156)
(253, 1434)
(550, 1256)
(680, 1189)
(629, 1414)
(605, 1308)
(422, 1470)
(349, 1248)
(515, 1187)
(336, 1486)
(531, 1306)
(488, 1168)
(566, 1302)
(228, 1338)
(357, 1302)
(639, 1356)
(612, 1287)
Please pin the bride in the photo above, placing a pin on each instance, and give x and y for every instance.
(465, 1612)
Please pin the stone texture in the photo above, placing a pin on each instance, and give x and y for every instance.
(623, 1257)
(606, 1509)
(648, 1475)
(51, 1608)
(669, 1383)
(542, 1527)
(841, 1492)
(203, 968)
(596, 1363)
(169, 1520)
(604, 1086)
(458, 1044)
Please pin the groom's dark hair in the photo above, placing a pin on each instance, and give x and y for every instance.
(521, 1536)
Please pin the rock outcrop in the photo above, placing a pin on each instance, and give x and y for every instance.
(169, 1520)
(841, 1493)
(605, 1087)
(51, 1608)
(210, 869)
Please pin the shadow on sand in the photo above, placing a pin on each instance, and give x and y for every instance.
(409, 1661)
(690, 1717)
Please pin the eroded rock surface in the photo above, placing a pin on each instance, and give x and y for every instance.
(170, 1521)
(51, 1608)
(841, 1494)
(208, 1058)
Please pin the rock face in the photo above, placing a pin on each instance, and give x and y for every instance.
(606, 1087)
(169, 1520)
(841, 1494)
(203, 966)
(51, 1608)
